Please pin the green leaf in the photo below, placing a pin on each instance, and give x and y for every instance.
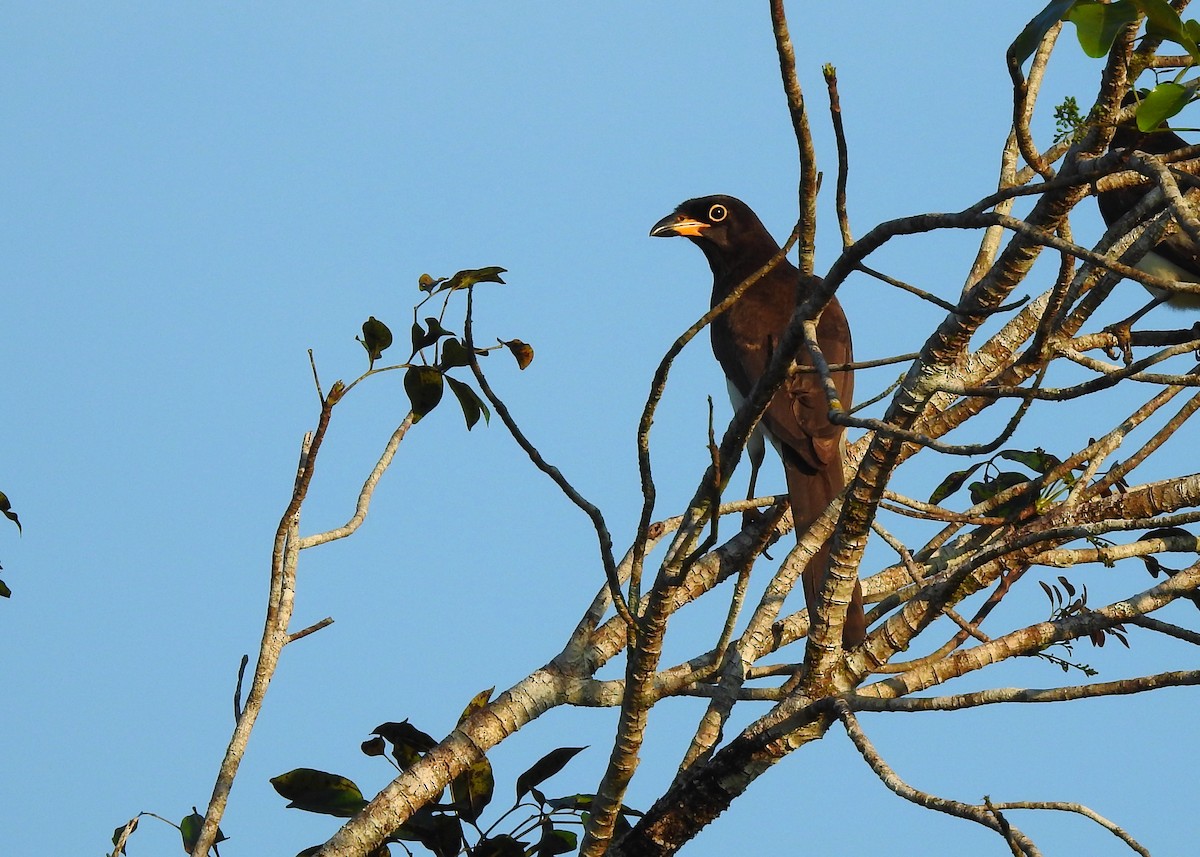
(471, 276)
(376, 338)
(116, 837)
(1027, 42)
(583, 803)
(5, 592)
(6, 510)
(1191, 29)
(374, 746)
(424, 387)
(454, 354)
(499, 846)
(1163, 22)
(441, 834)
(953, 482)
(472, 405)
(472, 790)
(544, 768)
(521, 351)
(1098, 24)
(1162, 102)
(421, 338)
(317, 791)
(408, 742)
(1002, 481)
(190, 829)
(477, 703)
(555, 841)
(1037, 460)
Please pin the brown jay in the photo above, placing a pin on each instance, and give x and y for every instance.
(1176, 257)
(796, 420)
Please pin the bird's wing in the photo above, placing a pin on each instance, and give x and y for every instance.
(1181, 251)
(1176, 247)
(798, 416)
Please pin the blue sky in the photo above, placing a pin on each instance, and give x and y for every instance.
(196, 194)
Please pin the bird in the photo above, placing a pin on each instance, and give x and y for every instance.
(1176, 257)
(796, 421)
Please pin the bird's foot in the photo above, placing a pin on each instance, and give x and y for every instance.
(1123, 333)
(754, 518)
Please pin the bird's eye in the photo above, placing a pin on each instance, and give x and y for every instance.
(717, 213)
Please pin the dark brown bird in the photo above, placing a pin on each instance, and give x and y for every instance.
(1176, 257)
(796, 421)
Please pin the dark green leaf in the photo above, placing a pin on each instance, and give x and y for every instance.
(424, 387)
(555, 841)
(317, 791)
(1098, 24)
(1163, 102)
(578, 803)
(1025, 44)
(582, 803)
(1037, 460)
(472, 790)
(423, 337)
(441, 834)
(408, 742)
(471, 276)
(132, 824)
(953, 482)
(454, 355)
(544, 768)
(472, 405)
(5, 592)
(521, 351)
(499, 846)
(405, 733)
(376, 338)
(374, 746)
(1165, 533)
(1002, 481)
(6, 510)
(190, 829)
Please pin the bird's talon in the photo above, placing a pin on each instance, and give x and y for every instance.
(1124, 335)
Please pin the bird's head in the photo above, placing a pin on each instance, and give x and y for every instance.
(724, 227)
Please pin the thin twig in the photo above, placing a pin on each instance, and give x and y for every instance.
(892, 780)
(588, 508)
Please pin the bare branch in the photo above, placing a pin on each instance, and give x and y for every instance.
(977, 814)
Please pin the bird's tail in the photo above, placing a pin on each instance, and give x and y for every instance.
(809, 495)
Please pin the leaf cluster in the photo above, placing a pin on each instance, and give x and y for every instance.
(996, 480)
(446, 829)
(436, 350)
(1097, 26)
